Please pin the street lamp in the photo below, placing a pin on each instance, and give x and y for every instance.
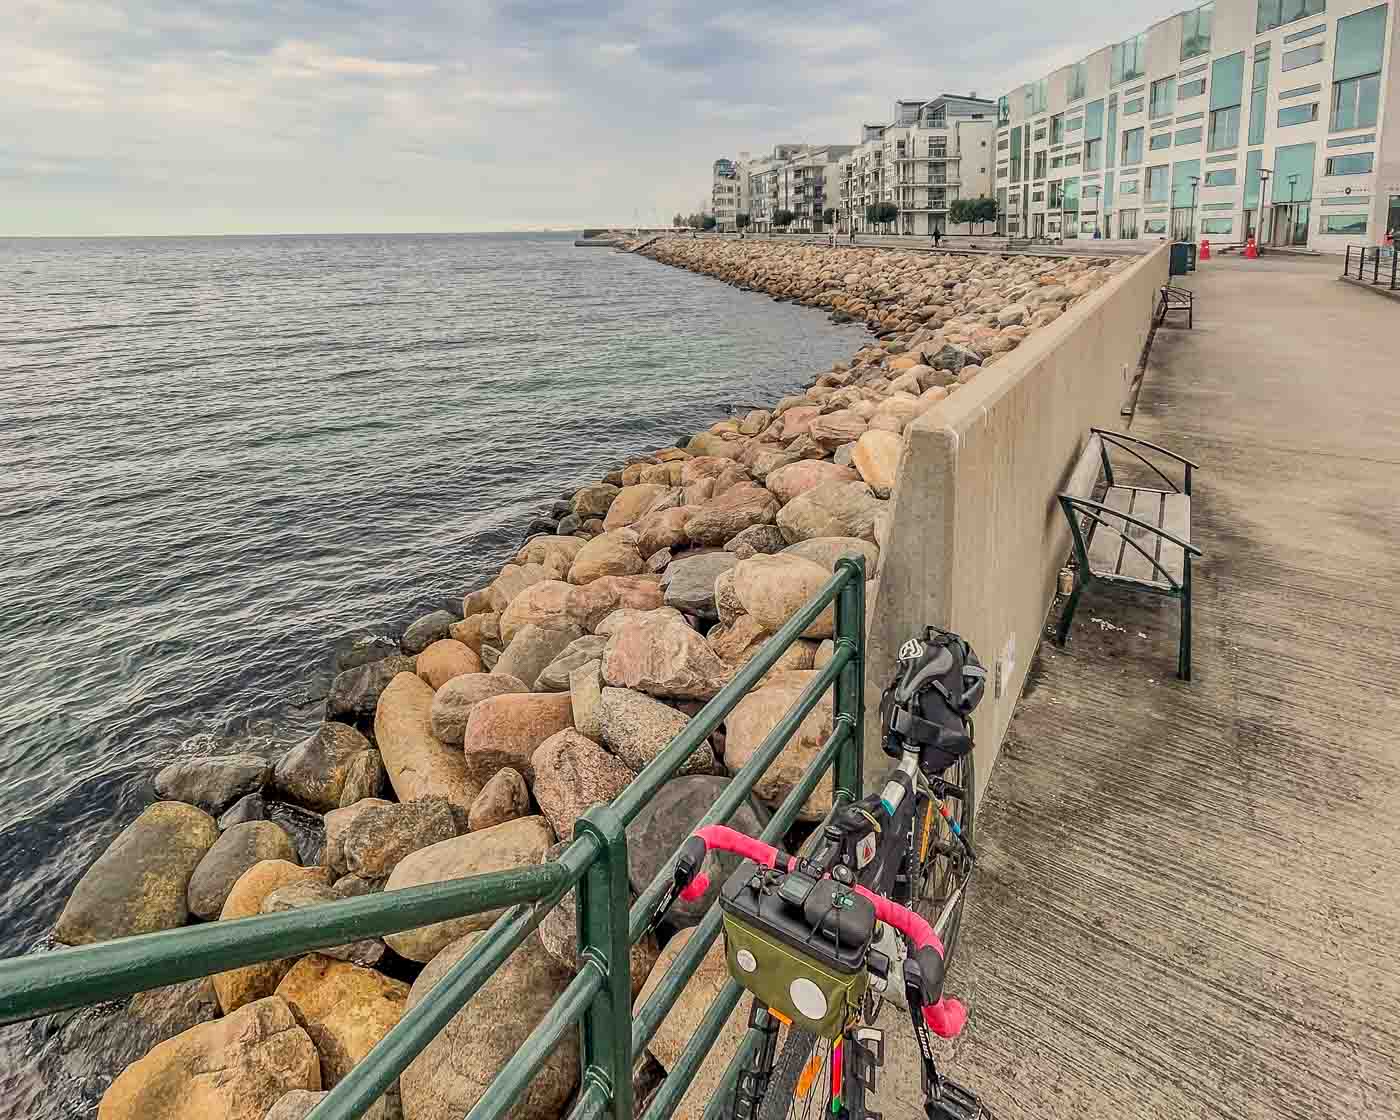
(1264, 174)
(1195, 186)
(1292, 213)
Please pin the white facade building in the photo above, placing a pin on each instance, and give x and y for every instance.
(930, 154)
(728, 193)
(1276, 118)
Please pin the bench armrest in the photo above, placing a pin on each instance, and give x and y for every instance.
(1125, 442)
(1094, 509)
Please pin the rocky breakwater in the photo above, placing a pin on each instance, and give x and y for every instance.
(477, 741)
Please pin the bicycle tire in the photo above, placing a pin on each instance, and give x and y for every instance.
(795, 1052)
(931, 896)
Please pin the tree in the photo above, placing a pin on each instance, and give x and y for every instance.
(741, 220)
(889, 212)
(984, 209)
(783, 218)
(708, 222)
(959, 212)
(678, 221)
(829, 215)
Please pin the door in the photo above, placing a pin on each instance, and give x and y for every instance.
(1289, 223)
(1037, 225)
(1128, 224)
(1183, 224)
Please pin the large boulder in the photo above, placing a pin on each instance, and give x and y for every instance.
(832, 429)
(662, 827)
(585, 694)
(313, 773)
(689, 582)
(739, 507)
(637, 728)
(595, 601)
(235, 1068)
(338, 822)
(419, 764)
(790, 481)
(453, 1071)
(364, 777)
(876, 457)
(774, 588)
(544, 604)
(503, 798)
(663, 529)
(445, 659)
(378, 839)
(833, 509)
(425, 631)
(572, 773)
(593, 501)
(827, 550)
(213, 784)
(505, 730)
(614, 553)
(685, 1016)
(664, 657)
(756, 715)
(511, 581)
(532, 649)
(297, 1105)
(554, 677)
(355, 693)
(631, 504)
(516, 843)
(478, 630)
(453, 702)
(238, 849)
(240, 986)
(738, 642)
(756, 540)
(344, 1008)
(895, 413)
(140, 883)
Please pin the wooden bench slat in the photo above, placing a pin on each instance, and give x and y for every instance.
(1106, 545)
(1146, 506)
(1176, 520)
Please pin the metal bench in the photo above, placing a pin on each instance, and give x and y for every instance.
(1137, 536)
(1175, 300)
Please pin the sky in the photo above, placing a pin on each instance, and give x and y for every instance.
(137, 117)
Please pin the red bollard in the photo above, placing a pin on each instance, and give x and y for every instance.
(1251, 251)
(1204, 254)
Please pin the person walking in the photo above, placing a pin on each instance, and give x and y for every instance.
(937, 236)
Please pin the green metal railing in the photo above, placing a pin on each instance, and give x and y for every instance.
(598, 1001)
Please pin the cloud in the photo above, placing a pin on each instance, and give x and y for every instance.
(161, 116)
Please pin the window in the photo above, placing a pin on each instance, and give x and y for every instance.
(1058, 161)
(1133, 106)
(1071, 157)
(1162, 98)
(1195, 31)
(1038, 196)
(1297, 114)
(1039, 171)
(1003, 143)
(1259, 95)
(1161, 140)
(1275, 13)
(1057, 129)
(1093, 120)
(1074, 125)
(1039, 134)
(1224, 129)
(1303, 56)
(1132, 146)
(1225, 177)
(1217, 225)
(1035, 97)
(1355, 102)
(1348, 200)
(1129, 59)
(1253, 162)
(1093, 155)
(1354, 224)
(1057, 195)
(1307, 32)
(1155, 225)
(1109, 148)
(1158, 179)
(1191, 89)
(1128, 186)
(1071, 194)
(1183, 192)
(1358, 163)
(1300, 91)
(1075, 85)
(1188, 136)
(1359, 138)
(1356, 69)
(1003, 111)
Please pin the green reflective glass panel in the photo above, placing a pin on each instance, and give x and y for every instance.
(1227, 81)
(1132, 146)
(1154, 225)
(1224, 177)
(1158, 181)
(1182, 173)
(1071, 187)
(1093, 120)
(1161, 140)
(1258, 100)
(1297, 114)
(1217, 225)
(1343, 223)
(1191, 89)
(1293, 160)
(1303, 56)
(1275, 13)
(1129, 186)
(1133, 106)
(1162, 97)
(1188, 136)
(1356, 102)
(1253, 162)
(1224, 128)
(1360, 44)
(1195, 31)
(1359, 163)
(1077, 76)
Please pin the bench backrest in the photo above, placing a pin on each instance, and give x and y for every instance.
(1085, 475)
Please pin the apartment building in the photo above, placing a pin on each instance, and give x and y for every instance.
(929, 154)
(1272, 118)
(796, 177)
(728, 193)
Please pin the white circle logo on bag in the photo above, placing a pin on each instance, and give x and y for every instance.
(808, 998)
(745, 960)
(911, 649)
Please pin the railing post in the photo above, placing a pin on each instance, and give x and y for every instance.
(850, 685)
(1376, 266)
(604, 898)
(1394, 256)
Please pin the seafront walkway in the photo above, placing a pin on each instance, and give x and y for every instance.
(1188, 903)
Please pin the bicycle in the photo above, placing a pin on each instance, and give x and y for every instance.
(813, 937)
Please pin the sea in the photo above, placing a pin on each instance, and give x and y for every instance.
(222, 459)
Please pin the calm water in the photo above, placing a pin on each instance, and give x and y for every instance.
(220, 456)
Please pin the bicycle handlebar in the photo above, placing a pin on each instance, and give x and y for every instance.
(944, 1015)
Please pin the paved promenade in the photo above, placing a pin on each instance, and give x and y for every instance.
(1189, 900)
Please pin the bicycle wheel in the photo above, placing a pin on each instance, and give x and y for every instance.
(945, 868)
(800, 1086)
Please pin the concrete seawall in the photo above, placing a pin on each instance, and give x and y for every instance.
(976, 537)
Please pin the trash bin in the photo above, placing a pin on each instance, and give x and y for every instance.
(1181, 258)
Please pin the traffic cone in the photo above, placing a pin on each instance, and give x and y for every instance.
(1251, 251)
(1205, 250)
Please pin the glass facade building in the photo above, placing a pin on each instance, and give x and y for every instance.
(1278, 119)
